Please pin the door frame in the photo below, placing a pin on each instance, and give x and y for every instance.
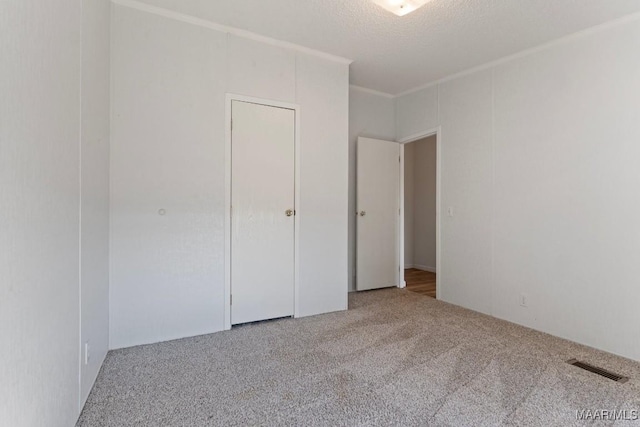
(230, 97)
(438, 133)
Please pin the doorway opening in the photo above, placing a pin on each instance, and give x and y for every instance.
(380, 213)
(420, 215)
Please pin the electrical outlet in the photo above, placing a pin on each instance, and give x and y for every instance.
(87, 356)
(524, 300)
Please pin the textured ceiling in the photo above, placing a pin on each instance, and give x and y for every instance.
(394, 54)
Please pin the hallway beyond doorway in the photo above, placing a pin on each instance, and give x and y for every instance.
(420, 281)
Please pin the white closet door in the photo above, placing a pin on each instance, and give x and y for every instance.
(378, 204)
(262, 212)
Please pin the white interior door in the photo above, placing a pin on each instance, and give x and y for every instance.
(378, 213)
(262, 212)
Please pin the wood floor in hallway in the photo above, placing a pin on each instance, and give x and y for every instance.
(421, 282)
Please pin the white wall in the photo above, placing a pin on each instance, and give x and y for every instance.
(166, 271)
(54, 156)
(323, 94)
(466, 238)
(94, 244)
(371, 116)
(169, 80)
(416, 112)
(539, 163)
(40, 45)
(566, 186)
(420, 203)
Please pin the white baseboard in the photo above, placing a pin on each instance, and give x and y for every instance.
(423, 268)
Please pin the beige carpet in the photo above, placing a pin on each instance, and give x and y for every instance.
(395, 358)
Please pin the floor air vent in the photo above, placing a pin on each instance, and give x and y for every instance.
(599, 371)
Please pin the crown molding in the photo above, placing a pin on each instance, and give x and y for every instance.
(372, 91)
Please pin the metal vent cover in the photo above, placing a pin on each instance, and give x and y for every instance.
(598, 371)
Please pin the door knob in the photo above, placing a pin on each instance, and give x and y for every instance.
(289, 212)
(362, 213)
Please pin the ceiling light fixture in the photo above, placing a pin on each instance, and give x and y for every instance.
(401, 7)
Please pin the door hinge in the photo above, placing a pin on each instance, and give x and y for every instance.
(230, 299)
(232, 124)
(398, 158)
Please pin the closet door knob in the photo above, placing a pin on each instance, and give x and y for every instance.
(362, 213)
(289, 212)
